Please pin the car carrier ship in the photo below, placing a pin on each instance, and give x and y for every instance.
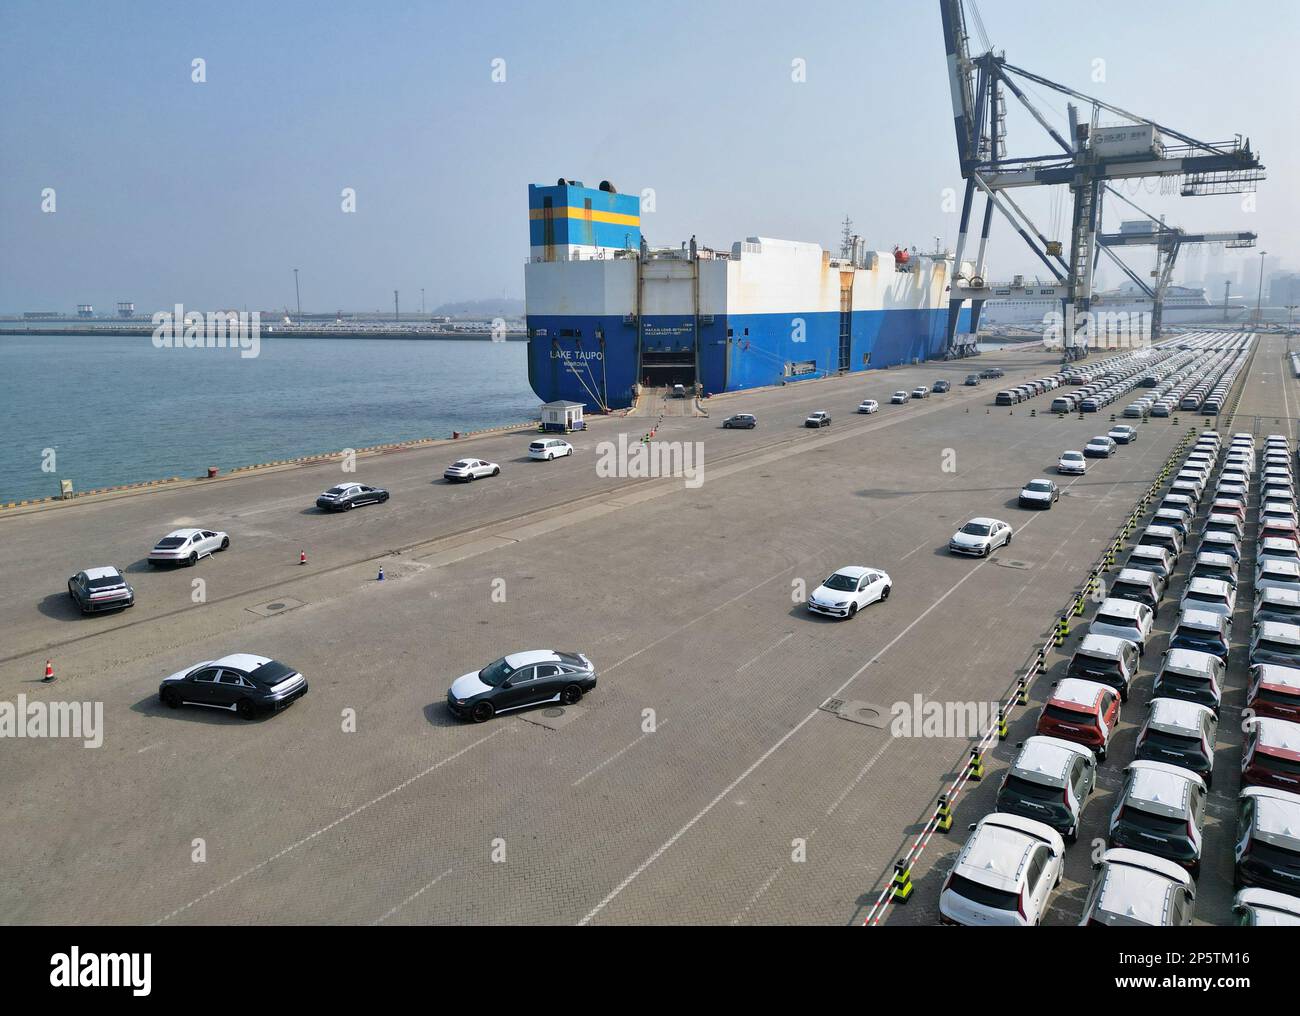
(606, 313)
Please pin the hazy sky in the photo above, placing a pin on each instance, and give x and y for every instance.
(210, 194)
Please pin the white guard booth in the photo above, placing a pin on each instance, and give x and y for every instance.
(562, 417)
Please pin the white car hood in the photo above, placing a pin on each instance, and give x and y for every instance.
(967, 540)
(1035, 495)
(468, 685)
(181, 673)
(830, 597)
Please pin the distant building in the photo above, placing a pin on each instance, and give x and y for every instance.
(85, 310)
(125, 310)
(1284, 289)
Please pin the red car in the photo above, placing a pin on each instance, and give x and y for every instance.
(1274, 691)
(1084, 712)
(1271, 755)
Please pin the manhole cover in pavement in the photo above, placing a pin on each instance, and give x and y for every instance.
(832, 705)
(553, 717)
(275, 607)
(1021, 565)
(865, 713)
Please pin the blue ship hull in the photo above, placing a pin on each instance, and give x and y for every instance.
(597, 359)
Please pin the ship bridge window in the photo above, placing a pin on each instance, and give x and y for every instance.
(569, 333)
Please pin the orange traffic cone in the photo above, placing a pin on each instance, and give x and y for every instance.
(49, 673)
(302, 557)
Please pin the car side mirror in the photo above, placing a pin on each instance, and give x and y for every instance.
(971, 827)
(505, 684)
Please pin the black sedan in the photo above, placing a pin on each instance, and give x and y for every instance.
(347, 496)
(533, 678)
(241, 683)
(940, 387)
(741, 421)
(97, 589)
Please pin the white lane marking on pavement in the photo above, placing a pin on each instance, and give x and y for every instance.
(697, 620)
(413, 895)
(1286, 399)
(775, 645)
(919, 546)
(324, 829)
(618, 754)
(758, 894)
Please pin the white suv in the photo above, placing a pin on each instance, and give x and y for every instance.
(549, 448)
(1004, 874)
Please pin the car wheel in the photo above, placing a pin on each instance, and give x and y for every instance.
(570, 695)
(193, 559)
(482, 712)
(1072, 836)
(170, 698)
(1101, 754)
(244, 707)
(987, 552)
(496, 470)
(1007, 541)
(347, 506)
(884, 595)
(225, 543)
(853, 610)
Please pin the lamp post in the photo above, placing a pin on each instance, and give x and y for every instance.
(1259, 298)
(296, 293)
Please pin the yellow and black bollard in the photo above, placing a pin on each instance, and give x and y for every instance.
(902, 884)
(1002, 724)
(976, 765)
(943, 815)
(1022, 692)
(1078, 605)
(1062, 631)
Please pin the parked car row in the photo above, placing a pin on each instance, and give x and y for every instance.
(1006, 871)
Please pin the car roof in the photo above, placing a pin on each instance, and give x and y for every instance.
(1269, 899)
(1278, 735)
(1138, 884)
(1201, 619)
(1177, 714)
(1048, 756)
(246, 662)
(532, 657)
(1076, 691)
(1071, 451)
(182, 533)
(1277, 815)
(1280, 594)
(1135, 575)
(1122, 607)
(1217, 587)
(981, 520)
(1161, 785)
(1278, 631)
(1278, 676)
(1105, 645)
(996, 852)
(106, 572)
(1193, 660)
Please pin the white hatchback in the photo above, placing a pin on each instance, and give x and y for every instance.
(1004, 874)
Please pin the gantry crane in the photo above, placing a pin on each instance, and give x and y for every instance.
(1167, 240)
(1089, 157)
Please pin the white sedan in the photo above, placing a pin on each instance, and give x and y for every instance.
(1072, 462)
(470, 469)
(186, 546)
(868, 406)
(849, 590)
(980, 537)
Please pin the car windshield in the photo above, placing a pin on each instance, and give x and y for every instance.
(1042, 486)
(844, 582)
(1092, 666)
(1072, 456)
(1067, 715)
(494, 673)
(1155, 823)
(975, 529)
(1279, 763)
(1207, 598)
(1276, 648)
(1116, 620)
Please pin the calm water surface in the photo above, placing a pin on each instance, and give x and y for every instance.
(118, 410)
